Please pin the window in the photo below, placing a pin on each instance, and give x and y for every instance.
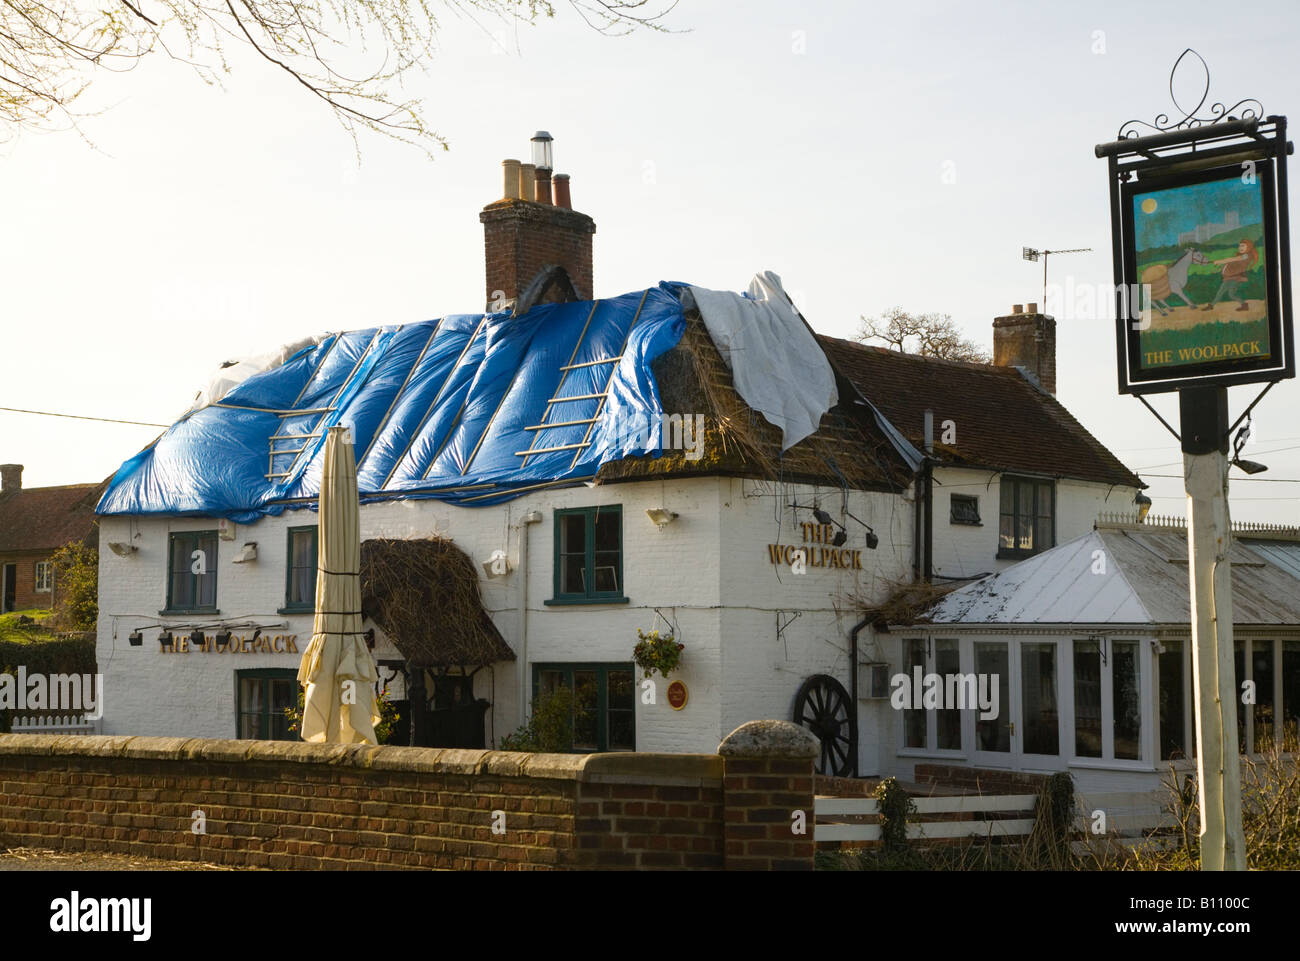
(936, 727)
(44, 576)
(192, 572)
(1108, 699)
(1174, 744)
(965, 509)
(604, 704)
(300, 570)
(589, 556)
(263, 696)
(1028, 516)
(1272, 666)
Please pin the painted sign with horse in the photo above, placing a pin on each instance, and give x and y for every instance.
(1201, 260)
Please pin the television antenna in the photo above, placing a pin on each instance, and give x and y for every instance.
(1030, 254)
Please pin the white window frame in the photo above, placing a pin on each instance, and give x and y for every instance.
(44, 577)
(931, 748)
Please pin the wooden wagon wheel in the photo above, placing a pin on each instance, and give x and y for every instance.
(824, 708)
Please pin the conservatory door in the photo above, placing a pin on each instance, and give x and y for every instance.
(994, 736)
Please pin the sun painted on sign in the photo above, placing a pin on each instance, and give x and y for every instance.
(1200, 257)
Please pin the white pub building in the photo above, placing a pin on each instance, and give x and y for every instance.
(673, 459)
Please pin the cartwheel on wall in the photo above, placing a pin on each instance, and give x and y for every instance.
(280, 804)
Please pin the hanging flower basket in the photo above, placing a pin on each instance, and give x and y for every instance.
(657, 652)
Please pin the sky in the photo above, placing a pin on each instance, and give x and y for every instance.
(872, 155)
(1161, 216)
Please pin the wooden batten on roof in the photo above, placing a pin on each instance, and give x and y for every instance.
(424, 595)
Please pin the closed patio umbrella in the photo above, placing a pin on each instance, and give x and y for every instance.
(339, 706)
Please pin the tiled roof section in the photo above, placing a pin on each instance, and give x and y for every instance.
(46, 518)
(1004, 422)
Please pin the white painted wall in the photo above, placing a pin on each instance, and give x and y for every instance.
(708, 573)
(961, 550)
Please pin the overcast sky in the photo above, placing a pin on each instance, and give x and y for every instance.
(872, 155)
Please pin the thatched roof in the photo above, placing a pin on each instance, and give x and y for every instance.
(424, 595)
(848, 449)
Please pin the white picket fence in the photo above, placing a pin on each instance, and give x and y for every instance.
(1124, 816)
(57, 724)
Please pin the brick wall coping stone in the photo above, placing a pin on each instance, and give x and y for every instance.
(618, 767)
(758, 739)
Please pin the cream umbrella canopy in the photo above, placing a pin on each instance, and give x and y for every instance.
(337, 668)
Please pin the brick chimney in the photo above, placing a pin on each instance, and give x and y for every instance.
(11, 478)
(524, 232)
(1025, 338)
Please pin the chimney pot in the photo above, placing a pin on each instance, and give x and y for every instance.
(1033, 309)
(11, 477)
(527, 182)
(562, 197)
(1017, 308)
(510, 176)
(543, 186)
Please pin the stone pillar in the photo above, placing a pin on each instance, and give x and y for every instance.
(767, 780)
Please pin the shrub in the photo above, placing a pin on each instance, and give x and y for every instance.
(76, 588)
(550, 729)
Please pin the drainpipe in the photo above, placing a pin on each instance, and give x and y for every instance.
(929, 497)
(853, 685)
(532, 517)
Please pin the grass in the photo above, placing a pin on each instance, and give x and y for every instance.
(14, 628)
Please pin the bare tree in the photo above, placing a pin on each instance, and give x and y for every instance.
(930, 335)
(50, 49)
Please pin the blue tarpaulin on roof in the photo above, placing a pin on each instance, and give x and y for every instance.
(445, 408)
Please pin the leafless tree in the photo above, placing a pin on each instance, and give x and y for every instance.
(51, 49)
(930, 335)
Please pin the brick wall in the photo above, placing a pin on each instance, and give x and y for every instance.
(520, 237)
(25, 594)
(984, 780)
(308, 806)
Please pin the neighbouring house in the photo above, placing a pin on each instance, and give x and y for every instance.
(566, 471)
(1091, 645)
(34, 523)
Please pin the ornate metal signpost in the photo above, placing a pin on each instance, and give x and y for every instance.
(1202, 262)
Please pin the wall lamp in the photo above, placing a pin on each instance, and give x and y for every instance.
(1143, 505)
(122, 549)
(841, 536)
(135, 638)
(166, 639)
(872, 540)
(661, 516)
(196, 639)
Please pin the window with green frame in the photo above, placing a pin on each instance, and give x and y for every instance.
(300, 570)
(604, 702)
(589, 556)
(1028, 516)
(262, 696)
(192, 572)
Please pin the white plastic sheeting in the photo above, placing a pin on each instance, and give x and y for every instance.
(779, 368)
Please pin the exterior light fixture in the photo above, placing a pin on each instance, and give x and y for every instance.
(841, 536)
(196, 639)
(135, 638)
(222, 639)
(661, 516)
(166, 639)
(1143, 505)
(1250, 466)
(121, 549)
(822, 516)
(247, 553)
(872, 540)
(543, 151)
